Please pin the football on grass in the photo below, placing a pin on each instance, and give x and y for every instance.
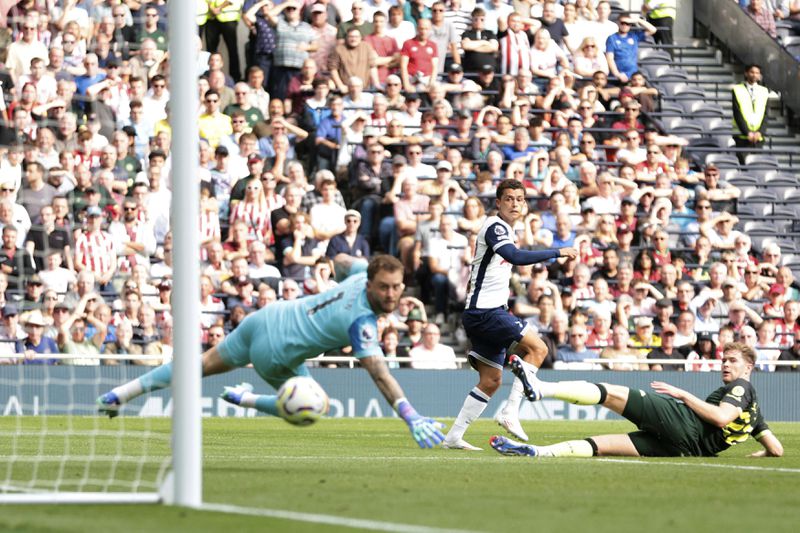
(301, 401)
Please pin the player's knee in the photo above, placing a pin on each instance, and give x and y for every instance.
(490, 383)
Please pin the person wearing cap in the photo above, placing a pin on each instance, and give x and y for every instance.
(776, 298)
(667, 350)
(415, 321)
(10, 331)
(444, 187)
(349, 245)
(35, 342)
(704, 305)
(295, 40)
(32, 297)
(96, 250)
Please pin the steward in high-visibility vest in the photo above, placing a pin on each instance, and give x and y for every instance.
(661, 14)
(750, 101)
(223, 19)
(202, 13)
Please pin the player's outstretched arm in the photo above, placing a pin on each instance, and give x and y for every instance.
(425, 431)
(515, 256)
(772, 446)
(718, 415)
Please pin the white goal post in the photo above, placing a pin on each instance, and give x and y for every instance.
(67, 453)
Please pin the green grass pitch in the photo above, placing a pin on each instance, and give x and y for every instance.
(371, 470)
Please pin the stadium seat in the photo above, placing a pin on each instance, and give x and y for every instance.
(723, 160)
(780, 179)
(706, 109)
(668, 73)
(672, 109)
(761, 161)
(743, 180)
(654, 55)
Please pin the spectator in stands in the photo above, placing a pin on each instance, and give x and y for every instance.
(619, 350)
(763, 15)
(750, 103)
(35, 343)
(353, 58)
(666, 350)
(661, 14)
(431, 353)
(295, 40)
(575, 351)
(419, 59)
(622, 48)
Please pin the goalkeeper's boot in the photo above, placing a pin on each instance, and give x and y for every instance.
(459, 444)
(511, 424)
(507, 446)
(234, 394)
(530, 383)
(108, 404)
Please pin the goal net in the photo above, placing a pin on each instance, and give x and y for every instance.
(55, 446)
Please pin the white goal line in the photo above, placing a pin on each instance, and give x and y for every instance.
(782, 470)
(333, 520)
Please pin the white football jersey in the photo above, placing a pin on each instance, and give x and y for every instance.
(488, 281)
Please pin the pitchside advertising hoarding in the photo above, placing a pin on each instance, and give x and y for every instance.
(38, 390)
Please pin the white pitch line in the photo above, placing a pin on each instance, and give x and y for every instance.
(332, 520)
(703, 465)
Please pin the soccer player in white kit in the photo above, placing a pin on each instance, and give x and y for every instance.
(491, 328)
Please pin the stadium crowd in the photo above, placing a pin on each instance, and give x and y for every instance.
(354, 128)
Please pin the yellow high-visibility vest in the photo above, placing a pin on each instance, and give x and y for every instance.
(661, 9)
(230, 13)
(202, 12)
(753, 110)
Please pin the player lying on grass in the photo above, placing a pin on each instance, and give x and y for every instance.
(677, 424)
(489, 326)
(279, 338)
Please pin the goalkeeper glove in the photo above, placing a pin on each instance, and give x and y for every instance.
(425, 431)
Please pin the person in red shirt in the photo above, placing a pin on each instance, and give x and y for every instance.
(630, 117)
(419, 59)
(385, 47)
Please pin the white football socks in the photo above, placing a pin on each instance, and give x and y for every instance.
(577, 392)
(128, 391)
(474, 404)
(570, 448)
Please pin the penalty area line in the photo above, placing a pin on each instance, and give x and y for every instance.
(332, 520)
(702, 465)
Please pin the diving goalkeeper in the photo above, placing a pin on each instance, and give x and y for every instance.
(279, 338)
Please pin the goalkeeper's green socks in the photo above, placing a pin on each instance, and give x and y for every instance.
(577, 392)
(157, 379)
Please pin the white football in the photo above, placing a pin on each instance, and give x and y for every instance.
(302, 401)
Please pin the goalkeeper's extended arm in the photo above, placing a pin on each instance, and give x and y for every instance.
(425, 431)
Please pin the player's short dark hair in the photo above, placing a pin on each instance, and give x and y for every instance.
(509, 184)
(747, 352)
(383, 262)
